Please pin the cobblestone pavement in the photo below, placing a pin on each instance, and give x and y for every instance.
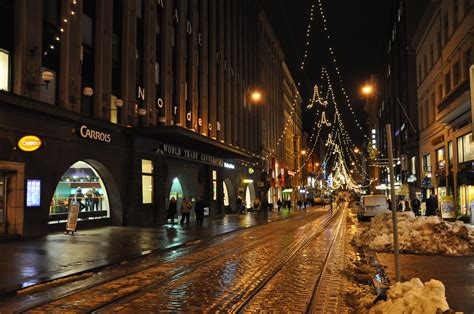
(215, 276)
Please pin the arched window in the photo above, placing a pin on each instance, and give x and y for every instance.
(80, 184)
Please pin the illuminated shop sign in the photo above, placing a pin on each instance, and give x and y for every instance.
(100, 136)
(228, 165)
(175, 151)
(29, 143)
(33, 193)
(251, 170)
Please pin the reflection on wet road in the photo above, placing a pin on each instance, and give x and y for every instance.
(226, 273)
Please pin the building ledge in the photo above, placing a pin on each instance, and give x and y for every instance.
(184, 137)
(453, 95)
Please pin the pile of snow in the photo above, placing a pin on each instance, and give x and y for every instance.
(414, 297)
(417, 235)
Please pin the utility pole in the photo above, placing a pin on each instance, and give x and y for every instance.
(388, 129)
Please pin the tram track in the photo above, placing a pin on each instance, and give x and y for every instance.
(278, 289)
(228, 301)
(163, 272)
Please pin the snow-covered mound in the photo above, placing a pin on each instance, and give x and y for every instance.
(414, 297)
(416, 235)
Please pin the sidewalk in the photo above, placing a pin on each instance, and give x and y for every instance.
(28, 262)
(456, 273)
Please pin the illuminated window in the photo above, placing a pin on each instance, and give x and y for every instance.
(440, 160)
(147, 181)
(465, 149)
(413, 165)
(4, 70)
(214, 185)
(81, 184)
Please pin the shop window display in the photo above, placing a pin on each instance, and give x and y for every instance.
(80, 184)
(466, 200)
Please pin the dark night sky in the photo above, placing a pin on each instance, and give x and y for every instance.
(358, 31)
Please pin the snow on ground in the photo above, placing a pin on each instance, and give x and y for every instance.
(413, 297)
(426, 235)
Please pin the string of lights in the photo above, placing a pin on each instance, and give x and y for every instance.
(297, 94)
(336, 67)
(64, 22)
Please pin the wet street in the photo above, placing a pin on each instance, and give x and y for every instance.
(274, 267)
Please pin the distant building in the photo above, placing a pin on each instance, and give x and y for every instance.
(131, 103)
(444, 47)
(397, 98)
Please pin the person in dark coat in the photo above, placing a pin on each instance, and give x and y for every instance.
(172, 210)
(238, 205)
(431, 205)
(299, 203)
(415, 206)
(199, 210)
(279, 203)
(264, 208)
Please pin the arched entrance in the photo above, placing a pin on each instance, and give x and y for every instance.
(249, 195)
(176, 192)
(229, 197)
(81, 184)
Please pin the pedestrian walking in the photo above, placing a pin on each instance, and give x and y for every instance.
(172, 210)
(408, 205)
(401, 206)
(299, 203)
(256, 206)
(199, 211)
(185, 211)
(415, 205)
(265, 208)
(431, 205)
(279, 203)
(238, 205)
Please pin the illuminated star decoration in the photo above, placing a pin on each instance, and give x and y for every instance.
(316, 99)
(324, 120)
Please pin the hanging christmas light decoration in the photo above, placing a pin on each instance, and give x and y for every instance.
(316, 99)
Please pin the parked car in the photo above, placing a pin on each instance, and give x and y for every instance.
(371, 205)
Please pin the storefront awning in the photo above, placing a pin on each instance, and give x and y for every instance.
(192, 140)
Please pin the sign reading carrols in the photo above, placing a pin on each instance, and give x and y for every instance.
(85, 132)
(29, 143)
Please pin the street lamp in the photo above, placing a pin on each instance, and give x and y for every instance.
(367, 89)
(356, 150)
(303, 152)
(256, 96)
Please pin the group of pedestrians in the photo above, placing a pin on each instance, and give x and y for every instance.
(414, 205)
(186, 207)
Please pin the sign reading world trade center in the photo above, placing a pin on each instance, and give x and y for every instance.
(184, 153)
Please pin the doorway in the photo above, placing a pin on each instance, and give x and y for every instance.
(176, 192)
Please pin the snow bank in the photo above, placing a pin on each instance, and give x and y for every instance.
(414, 297)
(416, 235)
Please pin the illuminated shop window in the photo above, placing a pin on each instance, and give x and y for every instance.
(147, 181)
(4, 70)
(80, 184)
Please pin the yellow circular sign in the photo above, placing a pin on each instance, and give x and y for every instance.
(29, 143)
